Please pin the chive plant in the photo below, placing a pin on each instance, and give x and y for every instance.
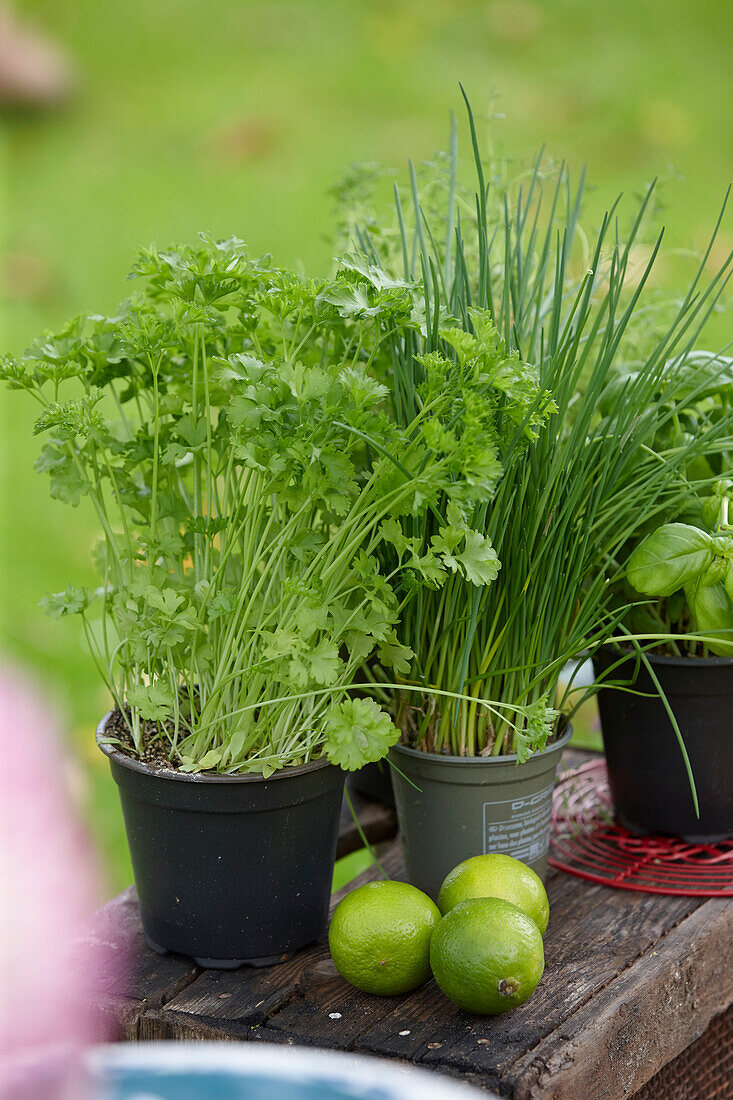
(233, 443)
(586, 395)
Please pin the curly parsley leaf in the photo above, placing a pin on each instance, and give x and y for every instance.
(358, 732)
(72, 601)
(479, 560)
(154, 702)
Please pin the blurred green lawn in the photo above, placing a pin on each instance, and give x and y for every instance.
(236, 117)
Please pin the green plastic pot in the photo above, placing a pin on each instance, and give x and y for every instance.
(452, 807)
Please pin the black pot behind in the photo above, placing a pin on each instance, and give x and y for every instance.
(646, 771)
(374, 781)
(231, 869)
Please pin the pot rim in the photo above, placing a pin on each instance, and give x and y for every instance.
(670, 661)
(134, 765)
(509, 758)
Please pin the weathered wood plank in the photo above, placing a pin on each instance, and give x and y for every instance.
(129, 978)
(228, 1004)
(433, 1022)
(126, 976)
(702, 1071)
(331, 1013)
(642, 1020)
(631, 980)
(311, 1003)
(426, 1027)
(592, 942)
(219, 1007)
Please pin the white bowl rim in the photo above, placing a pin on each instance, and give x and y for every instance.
(284, 1062)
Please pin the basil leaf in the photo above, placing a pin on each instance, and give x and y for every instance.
(729, 581)
(713, 612)
(673, 556)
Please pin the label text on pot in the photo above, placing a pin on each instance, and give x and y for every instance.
(523, 828)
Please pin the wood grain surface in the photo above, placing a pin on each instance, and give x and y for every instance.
(631, 980)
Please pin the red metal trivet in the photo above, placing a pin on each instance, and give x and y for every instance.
(585, 841)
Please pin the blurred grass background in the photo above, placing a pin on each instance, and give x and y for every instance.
(236, 117)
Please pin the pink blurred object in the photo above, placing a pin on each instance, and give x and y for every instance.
(48, 884)
(34, 72)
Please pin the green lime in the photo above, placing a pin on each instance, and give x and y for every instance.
(487, 956)
(380, 937)
(497, 876)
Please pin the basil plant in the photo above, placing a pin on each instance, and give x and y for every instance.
(686, 566)
(692, 569)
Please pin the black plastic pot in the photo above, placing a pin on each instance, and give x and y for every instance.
(373, 781)
(453, 807)
(230, 869)
(646, 772)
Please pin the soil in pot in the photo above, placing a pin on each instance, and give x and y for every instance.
(646, 771)
(453, 807)
(230, 869)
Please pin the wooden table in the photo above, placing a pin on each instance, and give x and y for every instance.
(631, 981)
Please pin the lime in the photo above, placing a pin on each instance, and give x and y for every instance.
(497, 876)
(487, 956)
(380, 937)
